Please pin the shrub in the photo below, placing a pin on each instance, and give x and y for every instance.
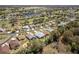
(67, 36)
(75, 31)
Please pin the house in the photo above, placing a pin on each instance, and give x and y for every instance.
(39, 34)
(49, 29)
(17, 31)
(27, 27)
(2, 30)
(63, 23)
(41, 27)
(30, 36)
(46, 33)
(33, 29)
(32, 26)
(21, 37)
(14, 43)
(4, 48)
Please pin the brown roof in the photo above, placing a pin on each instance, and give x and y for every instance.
(30, 36)
(46, 33)
(14, 43)
(21, 37)
(4, 48)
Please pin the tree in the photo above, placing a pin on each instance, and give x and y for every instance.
(67, 35)
(14, 21)
(35, 47)
(26, 22)
(75, 44)
(75, 31)
(54, 36)
(76, 39)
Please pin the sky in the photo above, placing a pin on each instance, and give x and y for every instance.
(39, 2)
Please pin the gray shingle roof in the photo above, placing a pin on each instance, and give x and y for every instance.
(30, 36)
(39, 34)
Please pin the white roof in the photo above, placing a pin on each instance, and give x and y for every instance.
(17, 34)
(13, 38)
(41, 26)
(35, 31)
(17, 31)
(28, 32)
(9, 32)
(5, 44)
(2, 29)
(26, 26)
(28, 29)
(31, 33)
